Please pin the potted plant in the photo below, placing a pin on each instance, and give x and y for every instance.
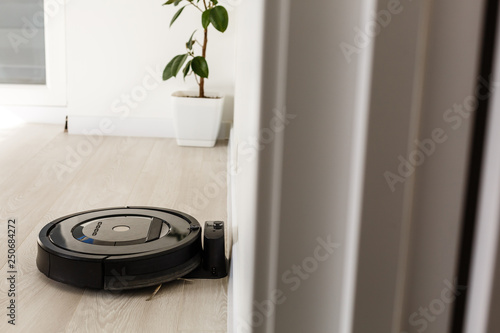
(197, 115)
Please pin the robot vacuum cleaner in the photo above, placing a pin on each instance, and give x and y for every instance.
(130, 247)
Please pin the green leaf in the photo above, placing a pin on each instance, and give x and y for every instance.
(219, 18)
(178, 64)
(176, 2)
(215, 2)
(177, 15)
(169, 2)
(190, 42)
(173, 67)
(200, 66)
(167, 72)
(205, 18)
(187, 68)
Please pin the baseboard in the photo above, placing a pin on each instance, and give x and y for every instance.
(130, 126)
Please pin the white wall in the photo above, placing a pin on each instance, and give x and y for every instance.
(115, 48)
(116, 52)
(249, 48)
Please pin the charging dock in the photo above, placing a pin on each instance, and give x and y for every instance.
(130, 247)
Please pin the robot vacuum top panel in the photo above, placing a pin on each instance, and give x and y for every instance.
(120, 248)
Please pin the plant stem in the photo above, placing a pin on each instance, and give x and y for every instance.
(204, 55)
(196, 6)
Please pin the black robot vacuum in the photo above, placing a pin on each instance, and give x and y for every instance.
(130, 247)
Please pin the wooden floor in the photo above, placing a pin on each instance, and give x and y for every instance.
(45, 174)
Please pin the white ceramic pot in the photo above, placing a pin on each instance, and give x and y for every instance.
(196, 120)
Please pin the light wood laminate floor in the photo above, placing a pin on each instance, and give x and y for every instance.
(45, 174)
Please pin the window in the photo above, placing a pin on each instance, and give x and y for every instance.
(22, 42)
(32, 52)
